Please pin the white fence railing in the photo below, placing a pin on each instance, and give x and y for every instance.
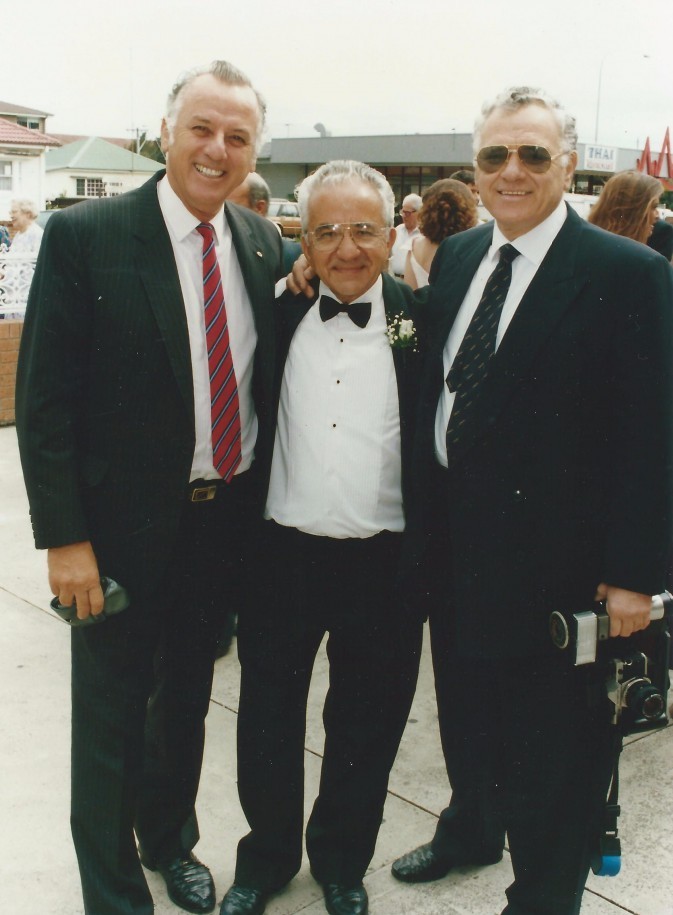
(16, 274)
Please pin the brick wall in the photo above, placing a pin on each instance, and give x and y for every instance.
(10, 334)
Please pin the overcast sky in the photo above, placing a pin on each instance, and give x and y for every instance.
(104, 67)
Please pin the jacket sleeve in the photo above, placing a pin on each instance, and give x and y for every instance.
(51, 387)
(639, 524)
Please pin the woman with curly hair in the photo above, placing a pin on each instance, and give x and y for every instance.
(448, 207)
(628, 205)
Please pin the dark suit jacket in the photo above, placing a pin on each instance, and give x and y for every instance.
(563, 479)
(398, 300)
(104, 400)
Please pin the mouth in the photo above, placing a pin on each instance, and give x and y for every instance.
(208, 172)
(514, 193)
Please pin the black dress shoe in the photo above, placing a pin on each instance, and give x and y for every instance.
(342, 900)
(243, 900)
(189, 883)
(422, 864)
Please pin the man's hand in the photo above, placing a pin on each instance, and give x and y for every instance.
(629, 611)
(298, 281)
(73, 576)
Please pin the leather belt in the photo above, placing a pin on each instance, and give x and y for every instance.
(202, 493)
(207, 490)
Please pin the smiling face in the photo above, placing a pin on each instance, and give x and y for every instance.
(517, 198)
(349, 271)
(210, 147)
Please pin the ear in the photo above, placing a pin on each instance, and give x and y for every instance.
(391, 240)
(164, 136)
(570, 168)
(305, 247)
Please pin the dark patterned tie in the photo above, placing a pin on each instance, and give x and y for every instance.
(472, 360)
(224, 415)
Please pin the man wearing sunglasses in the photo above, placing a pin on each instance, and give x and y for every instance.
(330, 553)
(543, 461)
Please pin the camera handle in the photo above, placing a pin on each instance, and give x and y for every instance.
(607, 860)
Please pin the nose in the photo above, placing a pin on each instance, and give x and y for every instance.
(347, 247)
(513, 167)
(217, 146)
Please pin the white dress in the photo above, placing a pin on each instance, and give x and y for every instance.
(420, 273)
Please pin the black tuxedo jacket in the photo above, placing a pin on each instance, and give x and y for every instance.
(104, 403)
(563, 478)
(398, 299)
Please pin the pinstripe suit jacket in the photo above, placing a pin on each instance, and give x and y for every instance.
(104, 404)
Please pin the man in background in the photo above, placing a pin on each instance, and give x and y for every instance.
(406, 231)
(254, 194)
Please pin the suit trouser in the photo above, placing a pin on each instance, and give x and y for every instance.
(349, 589)
(141, 685)
(528, 751)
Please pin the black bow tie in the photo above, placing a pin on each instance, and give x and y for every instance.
(358, 312)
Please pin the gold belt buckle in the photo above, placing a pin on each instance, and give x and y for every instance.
(203, 493)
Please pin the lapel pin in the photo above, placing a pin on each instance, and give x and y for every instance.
(259, 254)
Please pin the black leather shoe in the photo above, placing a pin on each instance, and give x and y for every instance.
(422, 865)
(342, 900)
(189, 883)
(243, 900)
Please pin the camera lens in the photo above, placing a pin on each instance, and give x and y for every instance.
(653, 706)
(644, 700)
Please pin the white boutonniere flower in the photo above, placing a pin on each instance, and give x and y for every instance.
(402, 333)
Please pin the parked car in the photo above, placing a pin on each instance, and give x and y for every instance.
(285, 213)
(44, 216)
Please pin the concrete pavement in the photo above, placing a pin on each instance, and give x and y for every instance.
(39, 872)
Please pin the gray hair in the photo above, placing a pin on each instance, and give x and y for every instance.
(258, 189)
(415, 200)
(24, 205)
(341, 171)
(517, 97)
(227, 73)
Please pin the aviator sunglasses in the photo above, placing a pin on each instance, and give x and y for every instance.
(536, 159)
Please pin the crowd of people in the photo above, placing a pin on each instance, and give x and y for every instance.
(344, 454)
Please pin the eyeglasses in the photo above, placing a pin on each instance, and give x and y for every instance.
(408, 212)
(363, 234)
(538, 159)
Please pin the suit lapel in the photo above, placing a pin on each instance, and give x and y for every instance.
(258, 279)
(395, 304)
(155, 264)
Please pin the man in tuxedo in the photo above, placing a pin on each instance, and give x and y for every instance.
(335, 513)
(543, 461)
(144, 418)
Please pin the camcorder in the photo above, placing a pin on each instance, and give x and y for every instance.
(636, 667)
(635, 673)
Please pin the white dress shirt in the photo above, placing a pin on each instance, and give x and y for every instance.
(336, 468)
(532, 248)
(188, 249)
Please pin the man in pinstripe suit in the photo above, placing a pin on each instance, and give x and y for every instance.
(114, 424)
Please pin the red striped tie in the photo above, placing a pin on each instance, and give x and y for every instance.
(224, 412)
